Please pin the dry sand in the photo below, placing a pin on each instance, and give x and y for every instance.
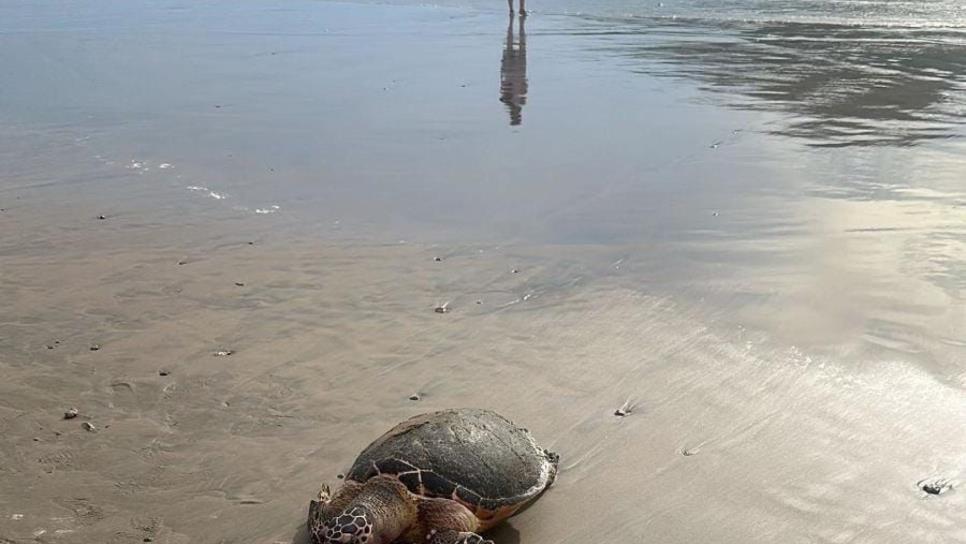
(791, 367)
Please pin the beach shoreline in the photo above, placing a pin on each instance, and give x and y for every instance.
(229, 265)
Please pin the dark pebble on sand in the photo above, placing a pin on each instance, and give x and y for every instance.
(163, 373)
(438, 259)
(620, 412)
(414, 397)
(515, 271)
(102, 217)
(340, 476)
(95, 347)
(49, 346)
(182, 262)
(441, 309)
(240, 283)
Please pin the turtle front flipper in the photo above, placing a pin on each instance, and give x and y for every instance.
(448, 522)
(449, 536)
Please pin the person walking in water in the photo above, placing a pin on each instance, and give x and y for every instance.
(523, 8)
(513, 71)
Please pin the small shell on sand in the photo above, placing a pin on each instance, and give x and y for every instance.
(89, 427)
(624, 410)
(935, 486)
(71, 413)
(414, 396)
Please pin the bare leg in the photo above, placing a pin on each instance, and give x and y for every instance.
(523, 7)
(447, 522)
(511, 6)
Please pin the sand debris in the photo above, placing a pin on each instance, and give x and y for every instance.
(89, 427)
(95, 347)
(223, 353)
(935, 486)
(442, 308)
(414, 396)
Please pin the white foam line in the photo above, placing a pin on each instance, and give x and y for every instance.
(271, 209)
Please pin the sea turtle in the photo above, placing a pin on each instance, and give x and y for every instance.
(437, 478)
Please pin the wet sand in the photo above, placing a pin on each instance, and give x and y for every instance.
(783, 321)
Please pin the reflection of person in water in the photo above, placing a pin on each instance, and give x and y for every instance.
(513, 71)
(523, 6)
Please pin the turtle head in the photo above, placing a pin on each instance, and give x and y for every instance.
(376, 512)
(353, 526)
